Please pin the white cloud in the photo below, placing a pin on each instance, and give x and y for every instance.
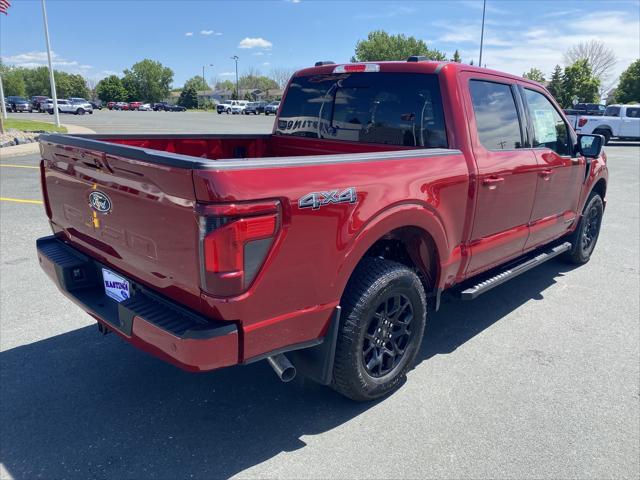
(265, 64)
(36, 59)
(188, 34)
(227, 74)
(514, 49)
(255, 43)
(206, 32)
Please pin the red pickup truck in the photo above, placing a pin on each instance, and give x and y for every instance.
(320, 246)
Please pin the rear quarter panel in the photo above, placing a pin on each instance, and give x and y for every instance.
(304, 276)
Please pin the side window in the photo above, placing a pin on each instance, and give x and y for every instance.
(496, 115)
(633, 112)
(549, 129)
(612, 112)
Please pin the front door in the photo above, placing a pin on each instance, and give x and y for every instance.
(507, 173)
(560, 175)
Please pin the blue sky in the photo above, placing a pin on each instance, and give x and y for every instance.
(97, 38)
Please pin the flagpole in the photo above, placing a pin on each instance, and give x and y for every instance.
(52, 79)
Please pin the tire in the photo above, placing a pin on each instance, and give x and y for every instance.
(228, 111)
(80, 111)
(384, 311)
(605, 133)
(585, 236)
(91, 112)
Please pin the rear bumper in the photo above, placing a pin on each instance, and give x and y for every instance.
(149, 321)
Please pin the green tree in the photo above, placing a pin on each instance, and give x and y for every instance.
(535, 74)
(555, 84)
(579, 84)
(37, 81)
(12, 81)
(226, 85)
(257, 82)
(188, 97)
(456, 57)
(628, 89)
(196, 82)
(110, 89)
(379, 46)
(148, 81)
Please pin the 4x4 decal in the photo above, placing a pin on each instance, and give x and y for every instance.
(315, 200)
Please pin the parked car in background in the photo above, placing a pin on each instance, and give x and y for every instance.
(17, 104)
(134, 105)
(272, 108)
(226, 106)
(110, 105)
(255, 108)
(238, 108)
(145, 107)
(36, 103)
(167, 107)
(586, 109)
(97, 105)
(121, 106)
(81, 106)
(621, 121)
(67, 106)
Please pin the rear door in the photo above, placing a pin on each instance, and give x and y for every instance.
(507, 176)
(631, 123)
(560, 174)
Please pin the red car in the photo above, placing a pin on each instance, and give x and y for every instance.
(134, 105)
(321, 246)
(110, 105)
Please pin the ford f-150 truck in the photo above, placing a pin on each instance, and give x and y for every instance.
(320, 246)
(621, 121)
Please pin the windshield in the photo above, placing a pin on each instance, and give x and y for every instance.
(388, 108)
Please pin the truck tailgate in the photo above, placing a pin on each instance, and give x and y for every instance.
(135, 216)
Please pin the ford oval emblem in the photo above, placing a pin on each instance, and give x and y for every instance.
(100, 202)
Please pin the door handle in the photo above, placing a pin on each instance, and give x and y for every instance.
(492, 182)
(546, 174)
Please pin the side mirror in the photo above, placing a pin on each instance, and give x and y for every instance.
(590, 146)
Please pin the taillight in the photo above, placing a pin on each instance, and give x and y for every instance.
(234, 242)
(582, 121)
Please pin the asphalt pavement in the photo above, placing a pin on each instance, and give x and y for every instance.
(111, 121)
(539, 378)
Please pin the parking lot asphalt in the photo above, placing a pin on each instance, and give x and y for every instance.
(111, 121)
(539, 378)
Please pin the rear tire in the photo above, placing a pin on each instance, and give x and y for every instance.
(384, 315)
(80, 111)
(585, 236)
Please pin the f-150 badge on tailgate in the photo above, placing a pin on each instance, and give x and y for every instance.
(315, 200)
(100, 202)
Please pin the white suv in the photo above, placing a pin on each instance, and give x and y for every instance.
(239, 107)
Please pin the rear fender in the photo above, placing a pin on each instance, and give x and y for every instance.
(404, 215)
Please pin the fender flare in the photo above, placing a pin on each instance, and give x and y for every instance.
(412, 214)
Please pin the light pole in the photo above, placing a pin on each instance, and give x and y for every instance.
(484, 7)
(204, 82)
(236, 58)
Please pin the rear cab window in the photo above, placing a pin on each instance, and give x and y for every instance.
(389, 108)
(612, 112)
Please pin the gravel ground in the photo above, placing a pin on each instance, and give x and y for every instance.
(539, 378)
(13, 137)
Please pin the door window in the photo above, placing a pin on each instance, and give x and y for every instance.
(549, 129)
(612, 112)
(496, 115)
(633, 112)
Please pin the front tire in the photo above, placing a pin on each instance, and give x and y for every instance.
(585, 236)
(384, 315)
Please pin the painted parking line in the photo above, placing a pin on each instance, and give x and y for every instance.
(12, 165)
(20, 200)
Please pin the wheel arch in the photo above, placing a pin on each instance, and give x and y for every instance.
(409, 234)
